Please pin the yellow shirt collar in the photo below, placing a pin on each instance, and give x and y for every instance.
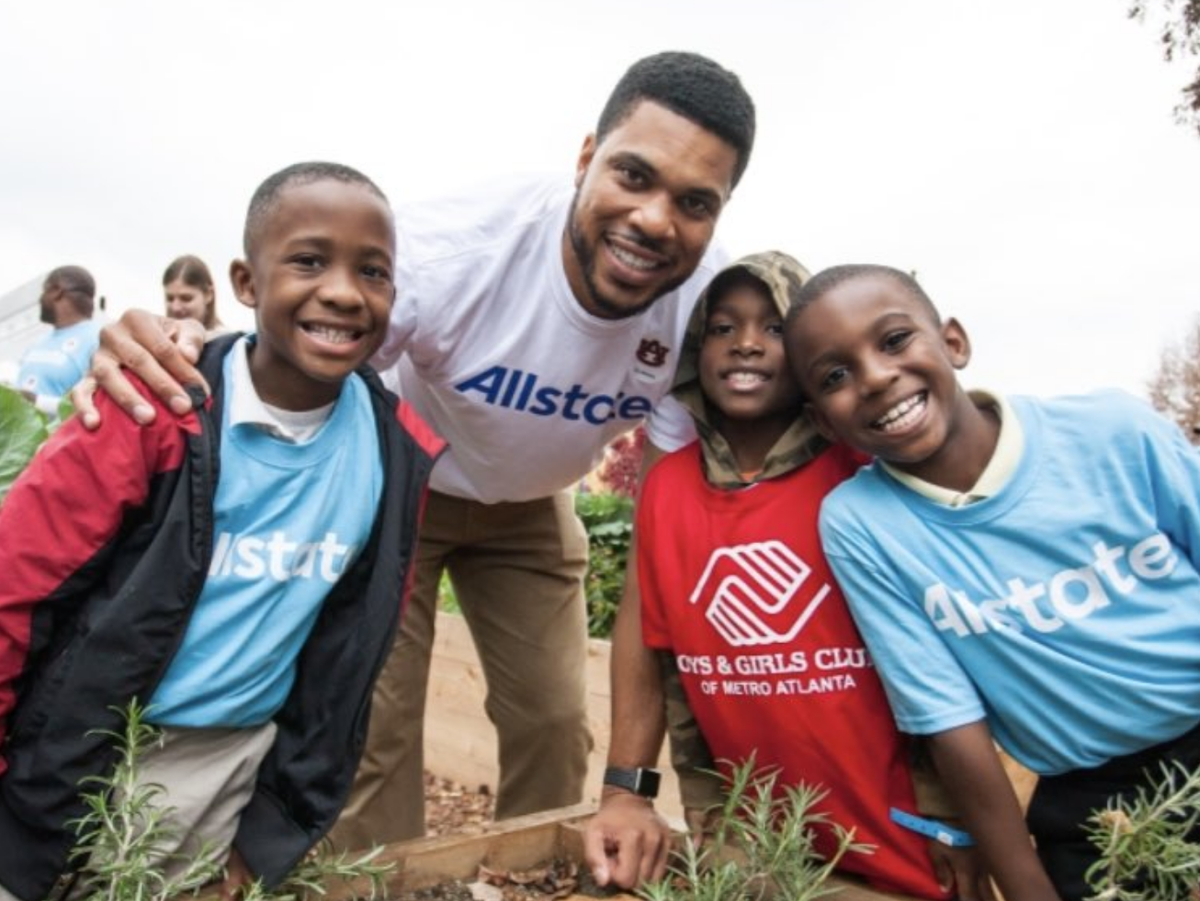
(1009, 447)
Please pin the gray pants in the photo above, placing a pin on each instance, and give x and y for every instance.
(209, 776)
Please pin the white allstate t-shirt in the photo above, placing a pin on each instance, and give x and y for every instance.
(489, 344)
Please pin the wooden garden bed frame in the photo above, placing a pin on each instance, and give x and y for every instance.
(518, 844)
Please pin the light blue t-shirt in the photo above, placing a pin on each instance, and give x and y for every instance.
(52, 366)
(1065, 609)
(290, 520)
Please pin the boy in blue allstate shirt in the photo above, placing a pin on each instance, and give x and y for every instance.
(1020, 568)
(241, 569)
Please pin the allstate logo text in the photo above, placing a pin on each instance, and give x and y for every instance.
(519, 390)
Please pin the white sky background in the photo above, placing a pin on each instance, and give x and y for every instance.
(1019, 155)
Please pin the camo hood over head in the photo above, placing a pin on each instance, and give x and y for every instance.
(782, 276)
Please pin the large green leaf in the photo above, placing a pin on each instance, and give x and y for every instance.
(22, 431)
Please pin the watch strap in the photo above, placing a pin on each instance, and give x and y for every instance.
(640, 780)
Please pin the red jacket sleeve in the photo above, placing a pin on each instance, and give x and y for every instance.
(65, 508)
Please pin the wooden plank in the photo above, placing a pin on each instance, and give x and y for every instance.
(518, 844)
(513, 844)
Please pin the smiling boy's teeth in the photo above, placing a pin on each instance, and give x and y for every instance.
(901, 415)
(631, 259)
(332, 335)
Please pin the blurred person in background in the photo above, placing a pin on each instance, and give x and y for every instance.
(188, 293)
(51, 366)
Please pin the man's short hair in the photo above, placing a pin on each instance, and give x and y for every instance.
(77, 284)
(692, 86)
(267, 195)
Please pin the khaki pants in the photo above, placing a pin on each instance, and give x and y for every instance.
(517, 571)
(208, 776)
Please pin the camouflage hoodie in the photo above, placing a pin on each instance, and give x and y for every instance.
(700, 790)
(782, 277)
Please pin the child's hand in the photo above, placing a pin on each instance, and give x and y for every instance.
(962, 871)
(237, 877)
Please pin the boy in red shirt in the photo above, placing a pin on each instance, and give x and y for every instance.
(737, 594)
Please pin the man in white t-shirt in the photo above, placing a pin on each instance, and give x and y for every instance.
(533, 324)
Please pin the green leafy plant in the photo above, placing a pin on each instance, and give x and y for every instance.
(447, 600)
(311, 876)
(1145, 850)
(122, 839)
(23, 429)
(608, 519)
(762, 845)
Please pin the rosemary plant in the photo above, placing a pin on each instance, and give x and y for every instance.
(1145, 850)
(311, 876)
(123, 837)
(761, 846)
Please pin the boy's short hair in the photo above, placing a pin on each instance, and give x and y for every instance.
(79, 286)
(267, 195)
(693, 86)
(828, 279)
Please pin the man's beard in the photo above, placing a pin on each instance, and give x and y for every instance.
(585, 256)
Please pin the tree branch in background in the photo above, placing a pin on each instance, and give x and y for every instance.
(1175, 387)
(1180, 38)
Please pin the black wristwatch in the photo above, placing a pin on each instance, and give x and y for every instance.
(639, 780)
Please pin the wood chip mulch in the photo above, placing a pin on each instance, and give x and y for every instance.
(453, 809)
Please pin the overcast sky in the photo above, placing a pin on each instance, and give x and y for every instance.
(1019, 155)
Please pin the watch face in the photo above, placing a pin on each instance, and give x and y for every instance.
(648, 783)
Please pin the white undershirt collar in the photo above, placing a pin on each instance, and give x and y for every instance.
(247, 408)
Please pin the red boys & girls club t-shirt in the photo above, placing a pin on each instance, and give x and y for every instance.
(734, 584)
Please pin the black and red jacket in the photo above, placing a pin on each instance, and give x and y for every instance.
(104, 545)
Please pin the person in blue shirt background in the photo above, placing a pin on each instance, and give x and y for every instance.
(52, 366)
